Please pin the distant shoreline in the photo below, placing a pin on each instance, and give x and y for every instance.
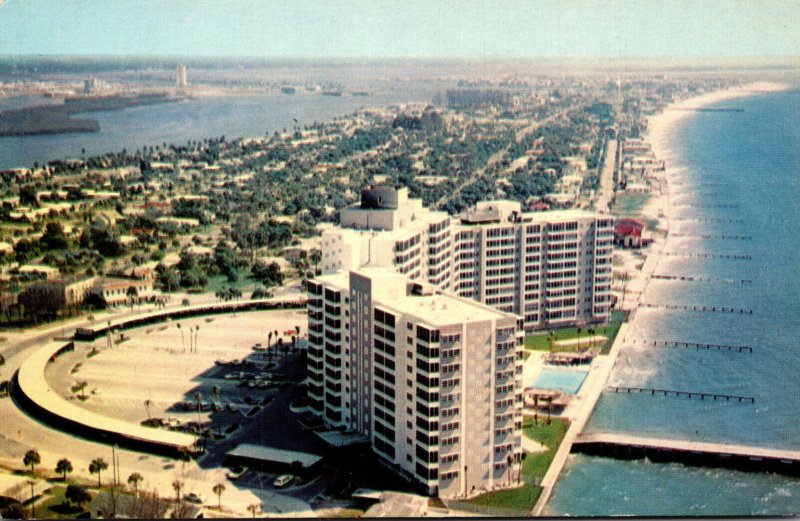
(57, 119)
(660, 131)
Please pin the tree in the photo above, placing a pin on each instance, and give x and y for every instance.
(77, 494)
(32, 459)
(217, 392)
(253, 508)
(218, 489)
(134, 480)
(53, 237)
(97, 466)
(177, 485)
(147, 407)
(183, 341)
(28, 196)
(509, 461)
(199, 399)
(63, 467)
(132, 293)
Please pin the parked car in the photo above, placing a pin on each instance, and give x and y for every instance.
(235, 472)
(191, 497)
(283, 480)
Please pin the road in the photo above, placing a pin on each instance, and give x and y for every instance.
(19, 432)
(606, 191)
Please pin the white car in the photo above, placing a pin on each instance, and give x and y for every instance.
(283, 480)
(236, 472)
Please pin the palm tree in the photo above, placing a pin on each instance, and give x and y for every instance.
(269, 339)
(63, 467)
(196, 329)
(217, 392)
(183, 342)
(33, 503)
(97, 466)
(252, 508)
(509, 461)
(218, 489)
(147, 407)
(549, 406)
(177, 485)
(134, 479)
(579, 338)
(32, 459)
(198, 398)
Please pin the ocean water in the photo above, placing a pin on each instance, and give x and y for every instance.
(742, 171)
(240, 115)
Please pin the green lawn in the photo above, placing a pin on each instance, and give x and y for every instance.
(244, 283)
(520, 501)
(629, 204)
(55, 506)
(540, 342)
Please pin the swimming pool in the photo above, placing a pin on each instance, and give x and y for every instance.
(568, 381)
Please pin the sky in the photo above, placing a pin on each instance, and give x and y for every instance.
(403, 28)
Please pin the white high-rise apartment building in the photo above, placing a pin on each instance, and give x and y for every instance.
(551, 268)
(432, 379)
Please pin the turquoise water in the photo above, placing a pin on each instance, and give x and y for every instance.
(745, 167)
(568, 381)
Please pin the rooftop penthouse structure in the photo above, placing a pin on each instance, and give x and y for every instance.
(552, 268)
(432, 379)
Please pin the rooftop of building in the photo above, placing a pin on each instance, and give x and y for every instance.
(394, 291)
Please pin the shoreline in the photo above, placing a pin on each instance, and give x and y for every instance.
(660, 131)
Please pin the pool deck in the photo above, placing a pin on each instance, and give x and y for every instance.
(579, 411)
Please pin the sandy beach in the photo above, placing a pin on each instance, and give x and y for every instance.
(660, 128)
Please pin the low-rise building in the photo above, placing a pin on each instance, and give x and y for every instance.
(120, 291)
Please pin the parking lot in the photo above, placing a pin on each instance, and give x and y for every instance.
(168, 371)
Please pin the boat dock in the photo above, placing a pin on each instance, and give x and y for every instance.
(689, 452)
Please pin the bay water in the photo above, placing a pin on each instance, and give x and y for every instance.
(235, 115)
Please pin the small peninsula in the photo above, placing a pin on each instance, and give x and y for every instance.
(57, 119)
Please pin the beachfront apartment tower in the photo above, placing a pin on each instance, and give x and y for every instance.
(432, 379)
(551, 268)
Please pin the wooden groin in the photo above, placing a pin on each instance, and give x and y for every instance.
(709, 255)
(713, 236)
(688, 452)
(689, 394)
(695, 345)
(700, 279)
(701, 309)
(708, 220)
(710, 205)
